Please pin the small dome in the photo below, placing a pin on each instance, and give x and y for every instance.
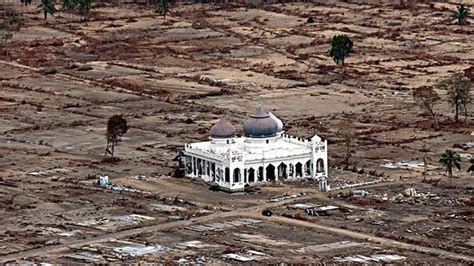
(260, 125)
(222, 130)
(278, 121)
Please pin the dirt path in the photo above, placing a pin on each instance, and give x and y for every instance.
(365, 237)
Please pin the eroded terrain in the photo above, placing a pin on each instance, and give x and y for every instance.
(173, 78)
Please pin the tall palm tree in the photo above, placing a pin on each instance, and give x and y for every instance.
(471, 168)
(450, 159)
(47, 6)
(461, 14)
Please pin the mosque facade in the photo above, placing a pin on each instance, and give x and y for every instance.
(264, 153)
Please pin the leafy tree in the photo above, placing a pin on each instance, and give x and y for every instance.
(471, 168)
(461, 14)
(47, 6)
(163, 8)
(450, 159)
(345, 130)
(459, 92)
(116, 127)
(8, 26)
(426, 98)
(341, 47)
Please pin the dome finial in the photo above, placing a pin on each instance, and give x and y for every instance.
(259, 106)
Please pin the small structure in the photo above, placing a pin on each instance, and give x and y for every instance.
(263, 154)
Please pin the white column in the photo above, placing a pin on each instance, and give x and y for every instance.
(275, 173)
(192, 166)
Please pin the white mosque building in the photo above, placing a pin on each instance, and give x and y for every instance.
(263, 154)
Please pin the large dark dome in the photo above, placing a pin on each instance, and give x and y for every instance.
(222, 130)
(260, 125)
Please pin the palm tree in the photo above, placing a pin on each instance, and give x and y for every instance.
(163, 8)
(471, 168)
(450, 159)
(461, 14)
(47, 6)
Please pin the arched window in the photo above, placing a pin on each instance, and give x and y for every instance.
(227, 175)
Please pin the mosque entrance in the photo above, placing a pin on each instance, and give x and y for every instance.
(270, 171)
(282, 171)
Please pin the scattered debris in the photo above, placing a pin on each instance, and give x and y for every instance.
(321, 211)
(50, 172)
(104, 181)
(195, 244)
(328, 246)
(292, 196)
(370, 259)
(135, 251)
(250, 255)
(300, 206)
(408, 165)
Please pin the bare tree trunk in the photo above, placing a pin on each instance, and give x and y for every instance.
(456, 115)
(465, 113)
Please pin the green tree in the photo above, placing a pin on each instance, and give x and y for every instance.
(459, 92)
(341, 48)
(426, 98)
(450, 159)
(471, 168)
(8, 27)
(47, 6)
(461, 14)
(116, 127)
(163, 8)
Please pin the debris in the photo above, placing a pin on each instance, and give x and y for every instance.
(50, 172)
(195, 244)
(328, 246)
(370, 259)
(244, 257)
(408, 165)
(300, 206)
(321, 211)
(85, 256)
(280, 198)
(104, 181)
(167, 208)
(359, 193)
(139, 251)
